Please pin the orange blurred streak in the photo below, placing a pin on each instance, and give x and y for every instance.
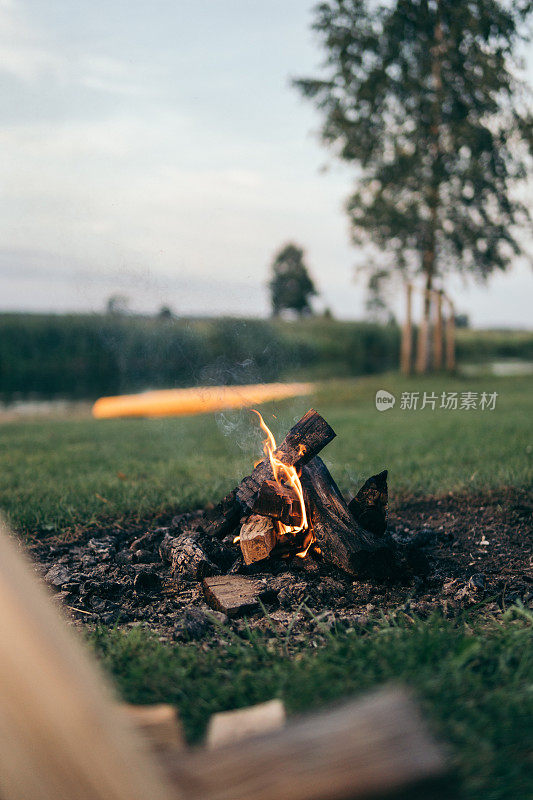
(195, 400)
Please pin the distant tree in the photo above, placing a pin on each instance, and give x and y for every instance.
(117, 304)
(165, 312)
(462, 321)
(291, 286)
(423, 97)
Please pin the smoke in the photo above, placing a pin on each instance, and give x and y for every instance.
(240, 425)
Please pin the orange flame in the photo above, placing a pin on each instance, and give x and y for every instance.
(287, 475)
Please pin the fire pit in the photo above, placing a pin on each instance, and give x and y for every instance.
(337, 566)
(288, 508)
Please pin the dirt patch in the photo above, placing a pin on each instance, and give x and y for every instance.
(461, 551)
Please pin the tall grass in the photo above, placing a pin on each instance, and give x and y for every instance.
(86, 356)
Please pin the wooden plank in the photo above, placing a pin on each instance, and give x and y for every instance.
(234, 595)
(374, 747)
(60, 734)
(438, 332)
(421, 365)
(450, 336)
(228, 727)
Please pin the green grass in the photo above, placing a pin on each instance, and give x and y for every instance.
(475, 684)
(474, 677)
(59, 474)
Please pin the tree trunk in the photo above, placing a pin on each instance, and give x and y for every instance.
(429, 256)
(450, 337)
(437, 340)
(407, 333)
(422, 353)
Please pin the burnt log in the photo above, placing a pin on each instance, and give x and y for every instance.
(369, 506)
(193, 555)
(302, 443)
(342, 541)
(224, 518)
(188, 560)
(279, 502)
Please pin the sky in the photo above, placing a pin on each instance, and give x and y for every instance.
(158, 151)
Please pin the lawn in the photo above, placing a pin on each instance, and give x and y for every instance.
(66, 474)
(475, 683)
(473, 675)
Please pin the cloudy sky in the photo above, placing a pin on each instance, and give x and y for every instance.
(156, 150)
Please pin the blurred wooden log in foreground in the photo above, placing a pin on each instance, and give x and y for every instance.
(374, 747)
(62, 736)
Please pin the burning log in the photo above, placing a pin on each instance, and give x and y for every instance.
(302, 443)
(257, 538)
(341, 539)
(278, 501)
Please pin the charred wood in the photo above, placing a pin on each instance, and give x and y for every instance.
(186, 557)
(369, 506)
(278, 501)
(343, 542)
(193, 555)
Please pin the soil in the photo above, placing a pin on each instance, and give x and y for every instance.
(461, 552)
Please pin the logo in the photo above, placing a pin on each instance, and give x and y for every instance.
(384, 400)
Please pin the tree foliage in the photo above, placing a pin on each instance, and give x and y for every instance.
(291, 286)
(422, 96)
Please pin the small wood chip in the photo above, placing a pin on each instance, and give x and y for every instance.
(234, 595)
(159, 724)
(228, 727)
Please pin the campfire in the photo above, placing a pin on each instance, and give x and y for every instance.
(289, 507)
(280, 516)
(285, 536)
